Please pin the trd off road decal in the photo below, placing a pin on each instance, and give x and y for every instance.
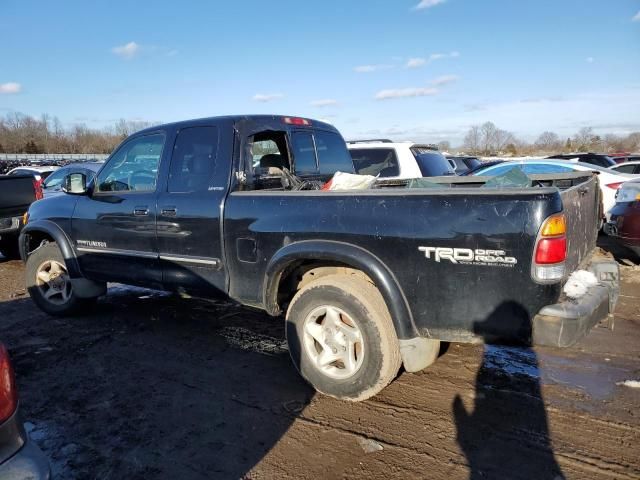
(467, 256)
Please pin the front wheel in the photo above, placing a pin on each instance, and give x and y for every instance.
(49, 284)
(341, 337)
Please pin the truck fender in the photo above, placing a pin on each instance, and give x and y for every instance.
(347, 254)
(59, 236)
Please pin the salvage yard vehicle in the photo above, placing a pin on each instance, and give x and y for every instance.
(388, 159)
(625, 216)
(17, 192)
(369, 280)
(610, 180)
(20, 458)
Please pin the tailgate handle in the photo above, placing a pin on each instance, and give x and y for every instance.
(141, 211)
(583, 190)
(169, 211)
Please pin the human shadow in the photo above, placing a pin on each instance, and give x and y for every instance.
(506, 434)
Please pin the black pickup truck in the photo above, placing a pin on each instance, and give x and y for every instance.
(369, 280)
(17, 192)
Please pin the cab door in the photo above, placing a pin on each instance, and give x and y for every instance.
(189, 212)
(114, 227)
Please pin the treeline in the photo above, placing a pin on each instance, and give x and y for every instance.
(21, 133)
(487, 139)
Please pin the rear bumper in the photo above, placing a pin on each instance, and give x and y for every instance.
(565, 323)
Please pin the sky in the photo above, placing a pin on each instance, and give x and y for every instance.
(422, 70)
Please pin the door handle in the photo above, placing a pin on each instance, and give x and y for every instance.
(169, 211)
(141, 211)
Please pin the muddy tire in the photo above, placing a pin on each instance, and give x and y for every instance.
(48, 282)
(9, 249)
(341, 337)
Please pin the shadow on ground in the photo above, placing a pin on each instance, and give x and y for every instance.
(506, 430)
(149, 386)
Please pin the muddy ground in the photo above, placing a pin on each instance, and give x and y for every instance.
(149, 385)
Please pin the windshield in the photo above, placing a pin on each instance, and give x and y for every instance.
(433, 164)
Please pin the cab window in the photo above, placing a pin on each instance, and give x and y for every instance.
(194, 160)
(133, 167)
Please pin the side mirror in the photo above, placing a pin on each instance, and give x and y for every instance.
(75, 184)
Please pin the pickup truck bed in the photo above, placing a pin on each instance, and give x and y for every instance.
(368, 280)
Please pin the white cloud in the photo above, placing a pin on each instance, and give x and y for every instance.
(590, 59)
(405, 92)
(326, 102)
(438, 56)
(267, 97)
(428, 4)
(127, 51)
(636, 17)
(10, 87)
(444, 80)
(371, 68)
(416, 62)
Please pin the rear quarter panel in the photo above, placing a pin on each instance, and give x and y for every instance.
(449, 301)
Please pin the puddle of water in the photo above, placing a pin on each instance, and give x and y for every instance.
(594, 378)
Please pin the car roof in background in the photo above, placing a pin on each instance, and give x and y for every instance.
(35, 168)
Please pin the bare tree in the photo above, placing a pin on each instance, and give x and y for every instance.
(472, 140)
(584, 139)
(548, 142)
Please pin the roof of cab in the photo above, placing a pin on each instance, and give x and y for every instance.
(239, 118)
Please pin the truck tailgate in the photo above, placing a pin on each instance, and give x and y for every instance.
(581, 206)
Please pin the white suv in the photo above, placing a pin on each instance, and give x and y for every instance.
(388, 159)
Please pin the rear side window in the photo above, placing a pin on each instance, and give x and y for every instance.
(625, 169)
(433, 164)
(304, 153)
(375, 161)
(332, 152)
(193, 162)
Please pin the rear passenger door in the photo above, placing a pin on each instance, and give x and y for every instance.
(189, 212)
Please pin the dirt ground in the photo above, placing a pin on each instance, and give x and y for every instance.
(153, 386)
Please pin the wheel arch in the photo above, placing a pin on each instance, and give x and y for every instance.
(328, 252)
(46, 229)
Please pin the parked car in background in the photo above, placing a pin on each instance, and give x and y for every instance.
(53, 184)
(20, 458)
(17, 192)
(610, 180)
(598, 159)
(388, 159)
(632, 167)
(625, 216)
(482, 166)
(464, 164)
(39, 173)
(624, 157)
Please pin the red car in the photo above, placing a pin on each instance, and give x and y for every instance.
(625, 215)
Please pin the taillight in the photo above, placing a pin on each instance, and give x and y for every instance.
(297, 121)
(614, 186)
(37, 188)
(551, 250)
(8, 391)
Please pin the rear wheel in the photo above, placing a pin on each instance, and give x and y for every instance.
(49, 284)
(341, 337)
